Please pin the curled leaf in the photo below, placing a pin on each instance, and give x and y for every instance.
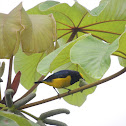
(54, 122)
(53, 112)
(82, 82)
(10, 32)
(8, 97)
(16, 82)
(35, 33)
(40, 36)
(24, 100)
(41, 123)
(2, 69)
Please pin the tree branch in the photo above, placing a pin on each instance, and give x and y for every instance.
(31, 89)
(75, 90)
(9, 74)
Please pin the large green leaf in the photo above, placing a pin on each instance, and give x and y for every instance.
(90, 53)
(27, 65)
(64, 56)
(10, 28)
(93, 55)
(77, 20)
(36, 33)
(65, 16)
(15, 120)
(40, 35)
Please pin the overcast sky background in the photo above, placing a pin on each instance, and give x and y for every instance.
(105, 107)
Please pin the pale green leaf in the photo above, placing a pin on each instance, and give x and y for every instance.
(20, 121)
(39, 35)
(2, 105)
(47, 4)
(44, 64)
(96, 11)
(76, 21)
(93, 55)
(7, 122)
(121, 51)
(10, 28)
(64, 56)
(122, 61)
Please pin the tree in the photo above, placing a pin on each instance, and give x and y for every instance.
(84, 42)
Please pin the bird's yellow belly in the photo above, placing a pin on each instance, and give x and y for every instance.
(59, 82)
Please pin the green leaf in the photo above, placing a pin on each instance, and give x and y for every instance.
(62, 58)
(121, 51)
(122, 61)
(17, 120)
(96, 11)
(44, 64)
(27, 65)
(39, 35)
(64, 16)
(10, 28)
(7, 122)
(44, 6)
(76, 21)
(35, 33)
(47, 4)
(2, 105)
(93, 55)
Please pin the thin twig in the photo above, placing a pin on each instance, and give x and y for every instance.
(31, 89)
(34, 117)
(75, 90)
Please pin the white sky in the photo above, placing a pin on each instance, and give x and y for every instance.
(105, 107)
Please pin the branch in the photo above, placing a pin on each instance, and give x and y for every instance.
(31, 89)
(9, 74)
(34, 117)
(75, 90)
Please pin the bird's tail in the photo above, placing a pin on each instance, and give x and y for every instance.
(37, 82)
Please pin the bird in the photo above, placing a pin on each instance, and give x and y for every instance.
(62, 79)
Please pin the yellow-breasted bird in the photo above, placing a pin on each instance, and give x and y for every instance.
(62, 79)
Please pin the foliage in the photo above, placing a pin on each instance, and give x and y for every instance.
(83, 41)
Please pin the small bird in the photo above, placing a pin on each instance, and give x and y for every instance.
(62, 79)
